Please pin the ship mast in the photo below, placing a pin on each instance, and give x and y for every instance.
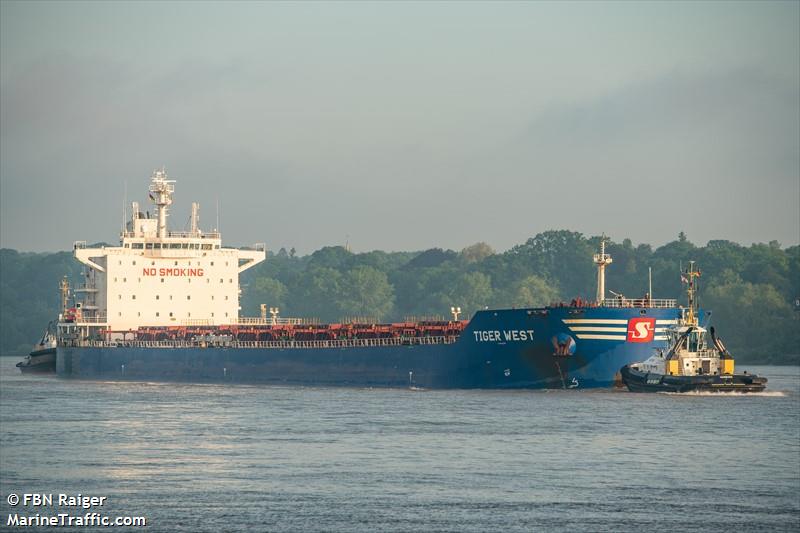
(691, 291)
(601, 260)
(64, 288)
(161, 190)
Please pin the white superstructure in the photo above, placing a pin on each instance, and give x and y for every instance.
(158, 277)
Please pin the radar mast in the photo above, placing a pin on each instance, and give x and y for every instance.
(161, 190)
(601, 260)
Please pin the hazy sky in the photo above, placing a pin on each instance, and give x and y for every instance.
(403, 125)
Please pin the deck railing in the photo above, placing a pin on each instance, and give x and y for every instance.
(640, 302)
(181, 234)
(279, 345)
(280, 321)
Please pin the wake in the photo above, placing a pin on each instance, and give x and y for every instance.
(730, 394)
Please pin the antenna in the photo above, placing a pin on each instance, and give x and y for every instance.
(217, 228)
(650, 284)
(124, 204)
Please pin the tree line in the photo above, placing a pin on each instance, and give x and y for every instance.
(751, 289)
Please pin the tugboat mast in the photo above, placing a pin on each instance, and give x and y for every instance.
(601, 260)
(64, 288)
(691, 290)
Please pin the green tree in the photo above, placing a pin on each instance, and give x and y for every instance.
(365, 291)
(267, 291)
(476, 252)
(470, 291)
(532, 291)
(755, 321)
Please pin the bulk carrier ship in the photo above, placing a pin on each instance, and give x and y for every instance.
(164, 306)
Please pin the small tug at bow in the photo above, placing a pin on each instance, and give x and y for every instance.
(691, 364)
(42, 360)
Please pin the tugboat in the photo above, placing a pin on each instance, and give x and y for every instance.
(691, 364)
(42, 360)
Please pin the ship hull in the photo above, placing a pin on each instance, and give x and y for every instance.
(498, 349)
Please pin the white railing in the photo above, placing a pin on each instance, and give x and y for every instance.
(279, 321)
(280, 345)
(181, 234)
(190, 235)
(640, 302)
(258, 247)
(85, 288)
(87, 320)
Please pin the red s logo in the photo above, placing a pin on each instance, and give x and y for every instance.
(641, 329)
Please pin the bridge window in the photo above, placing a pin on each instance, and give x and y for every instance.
(134, 262)
(212, 263)
(133, 297)
(157, 297)
(149, 246)
(188, 296)
(156, 313)
(119, 297)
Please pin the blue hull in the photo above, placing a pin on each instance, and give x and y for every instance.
(514, 348)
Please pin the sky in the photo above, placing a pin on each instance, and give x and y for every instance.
(402, 126)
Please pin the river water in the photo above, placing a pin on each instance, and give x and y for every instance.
(263, 458)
